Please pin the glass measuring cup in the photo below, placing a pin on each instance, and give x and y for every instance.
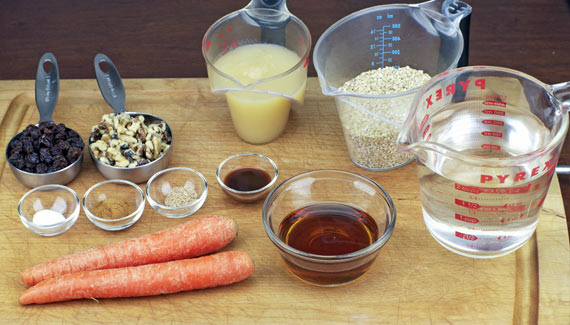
(487, 141)
(425, 36)
(259, 107)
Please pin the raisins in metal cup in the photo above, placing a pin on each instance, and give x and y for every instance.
(45, 148)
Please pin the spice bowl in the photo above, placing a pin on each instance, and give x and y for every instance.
(49, 210)
(247, 177)
(177, 192)
(329, 225)
(114, 204)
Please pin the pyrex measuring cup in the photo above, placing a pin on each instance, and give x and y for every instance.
(487, 141)
(425, 36)
(259, 107)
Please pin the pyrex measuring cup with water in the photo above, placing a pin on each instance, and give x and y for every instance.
(425, 36)
(259, 96)
(487, 141)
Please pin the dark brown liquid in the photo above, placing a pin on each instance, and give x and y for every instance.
(247, 179)
(329, 229)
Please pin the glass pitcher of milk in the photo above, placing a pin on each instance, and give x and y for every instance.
(258, 58)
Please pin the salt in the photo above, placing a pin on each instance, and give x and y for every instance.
(47, 217)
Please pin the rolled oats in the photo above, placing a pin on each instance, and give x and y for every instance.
(371, 125)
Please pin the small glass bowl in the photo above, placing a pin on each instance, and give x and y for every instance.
(328, 188)
(161, 184)
(247, 160)
(114, 189)
(59, 199)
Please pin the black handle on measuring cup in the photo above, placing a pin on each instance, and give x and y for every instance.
(454, 8)
(272, 30)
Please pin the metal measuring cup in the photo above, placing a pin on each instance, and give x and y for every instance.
(113, 92)
(47, 92)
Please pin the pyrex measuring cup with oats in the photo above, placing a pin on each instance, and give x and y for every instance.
(487, 141)
(257, 57)
(402, 41)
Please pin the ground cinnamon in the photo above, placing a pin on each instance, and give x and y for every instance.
(112, 208)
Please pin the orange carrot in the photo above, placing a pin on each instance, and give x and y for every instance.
(194, 238)
(145, 280)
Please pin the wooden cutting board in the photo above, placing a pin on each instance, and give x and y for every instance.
(414, 279)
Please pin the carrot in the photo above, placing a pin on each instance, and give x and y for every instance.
(194, 238)
(145, 280)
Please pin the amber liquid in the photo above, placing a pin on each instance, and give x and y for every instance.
(329, 229)
(247, 179)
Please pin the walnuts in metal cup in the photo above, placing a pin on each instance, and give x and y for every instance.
(123, 140)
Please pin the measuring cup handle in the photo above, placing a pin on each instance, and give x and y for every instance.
(110, 83)
(47, 87)
(460, 13)
(279, 5)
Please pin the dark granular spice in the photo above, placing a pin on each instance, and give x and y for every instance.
(45, 148)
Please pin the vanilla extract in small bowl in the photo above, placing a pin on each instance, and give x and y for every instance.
(247, 177)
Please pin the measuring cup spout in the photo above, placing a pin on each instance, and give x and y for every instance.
(562, 92)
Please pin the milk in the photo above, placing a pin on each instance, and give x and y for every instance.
(261, 117)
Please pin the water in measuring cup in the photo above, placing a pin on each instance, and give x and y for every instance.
(482, 212)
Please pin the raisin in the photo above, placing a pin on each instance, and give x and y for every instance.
(72, 154)
(46, 156)
(15, 156)
(76, 142)
(41, 168)
(55, 151)
(45, 141)
(19, 163)
(28, 146)
(63, 146)
(33, 158)
(143, 161)
(59, 163)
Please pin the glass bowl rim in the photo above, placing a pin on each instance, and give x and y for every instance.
(55, 225)
(139, 209)
(372, 248)
(155, 205)
(259, 190)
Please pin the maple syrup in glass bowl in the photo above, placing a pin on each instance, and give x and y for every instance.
(329, 225)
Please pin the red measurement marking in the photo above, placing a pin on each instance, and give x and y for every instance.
(466, 218)
(465, 236)
(492, 134)
(503, 220)
(516, 207)
(230, 29)
(208, 46)
(541, 201)
(491, 147)
(493, 122)
(306, 62)
(493, 112)
(234, 43)
(424, 121)
(491, 190)
(429, 137)
(425, 131)
(302, 40)
(220, 35)
(227, 38)
(494, 103)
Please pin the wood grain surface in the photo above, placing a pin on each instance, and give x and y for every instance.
(162, 39)
(413, 281)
